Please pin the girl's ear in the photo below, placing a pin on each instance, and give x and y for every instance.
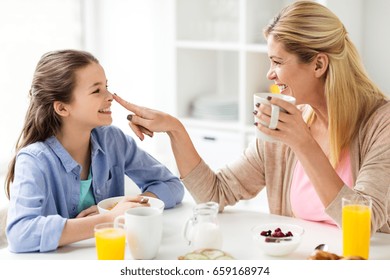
(321, 64)
(60, 108)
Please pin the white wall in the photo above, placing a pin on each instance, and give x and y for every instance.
(133, 41)
(27, 30)
(376, 41)
(350, 13)
(368, 23)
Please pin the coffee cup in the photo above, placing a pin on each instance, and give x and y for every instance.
(275, 110)
(144, 228)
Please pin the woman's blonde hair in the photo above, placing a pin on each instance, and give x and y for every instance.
(306, 28)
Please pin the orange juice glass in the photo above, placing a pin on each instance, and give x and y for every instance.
(356, 225)
(110, 241)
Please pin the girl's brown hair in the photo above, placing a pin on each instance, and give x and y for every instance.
(54, 80)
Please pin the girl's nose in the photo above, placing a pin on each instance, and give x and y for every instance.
(109, 95)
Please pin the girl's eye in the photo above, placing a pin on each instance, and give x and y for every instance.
(96, 91)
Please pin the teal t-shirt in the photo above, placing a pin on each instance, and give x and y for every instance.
(86, 195)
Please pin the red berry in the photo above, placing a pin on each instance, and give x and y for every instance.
(278, 233)
(265, 233)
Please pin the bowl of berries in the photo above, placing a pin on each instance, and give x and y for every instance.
(277, 239)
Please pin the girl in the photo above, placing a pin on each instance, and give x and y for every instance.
(69, 158)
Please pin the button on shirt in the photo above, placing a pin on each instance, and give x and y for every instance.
(46, 188)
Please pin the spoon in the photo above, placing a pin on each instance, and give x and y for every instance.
(321, 247)
(318, 249)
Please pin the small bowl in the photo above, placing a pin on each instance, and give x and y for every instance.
(107, 204)
(277, 246)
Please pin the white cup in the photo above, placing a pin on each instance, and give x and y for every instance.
(275, 110)
(143, 231)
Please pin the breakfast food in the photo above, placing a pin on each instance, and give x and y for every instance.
(109, 208)
(143, 200)
(275, 235)
(206, 254)
(323, 255)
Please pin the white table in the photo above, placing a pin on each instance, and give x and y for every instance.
(237, 239)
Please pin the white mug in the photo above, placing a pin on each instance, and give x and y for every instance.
(143, 231)
(275, 110)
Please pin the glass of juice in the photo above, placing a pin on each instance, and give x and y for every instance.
(356, 225)
(110, 241)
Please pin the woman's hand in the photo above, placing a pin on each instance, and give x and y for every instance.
(291, 128)
(155, 121)
(294, 132)
(147, 121)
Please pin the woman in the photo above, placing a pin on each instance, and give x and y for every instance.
(336, 144)
(69, 158)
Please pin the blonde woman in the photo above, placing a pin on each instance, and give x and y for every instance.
(336, 144)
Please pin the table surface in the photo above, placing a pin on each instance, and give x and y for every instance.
(236, 227)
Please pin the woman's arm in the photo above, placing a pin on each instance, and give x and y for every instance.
(186, 156)
(243, 179)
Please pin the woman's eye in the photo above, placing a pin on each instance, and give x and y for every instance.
(96, 91)
(276, 62)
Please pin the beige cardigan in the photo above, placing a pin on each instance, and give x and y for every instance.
(272, 164)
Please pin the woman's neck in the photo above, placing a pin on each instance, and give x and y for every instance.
(319, 128)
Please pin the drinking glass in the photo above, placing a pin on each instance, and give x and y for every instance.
(356, 225)
(110, 241)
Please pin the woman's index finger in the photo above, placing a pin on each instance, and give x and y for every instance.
(127, 105)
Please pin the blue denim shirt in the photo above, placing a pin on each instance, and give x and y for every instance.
(46, 188)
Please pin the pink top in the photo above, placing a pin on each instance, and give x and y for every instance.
(305, 202)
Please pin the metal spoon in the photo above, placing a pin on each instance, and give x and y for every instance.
(321, 247)
(318, 248)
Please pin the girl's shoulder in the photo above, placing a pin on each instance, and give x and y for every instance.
(35, 148)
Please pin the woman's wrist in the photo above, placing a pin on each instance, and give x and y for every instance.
(176, 128)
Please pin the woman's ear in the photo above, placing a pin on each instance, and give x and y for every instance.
(321, 64)
(60, 108)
